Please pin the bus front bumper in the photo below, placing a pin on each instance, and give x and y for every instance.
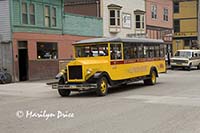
(75, 87)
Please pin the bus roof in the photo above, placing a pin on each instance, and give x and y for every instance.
(117, 39)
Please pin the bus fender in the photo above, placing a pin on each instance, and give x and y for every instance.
(61, 75)
(100, 74)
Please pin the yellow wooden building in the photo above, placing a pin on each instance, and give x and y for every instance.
(185, 24)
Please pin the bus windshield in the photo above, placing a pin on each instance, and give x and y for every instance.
(91, 50)
(185, 54)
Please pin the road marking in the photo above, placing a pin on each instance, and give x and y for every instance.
(171, 100)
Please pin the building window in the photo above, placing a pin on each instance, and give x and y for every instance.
(114, 15)
(139, 21)
(47, 16)
(176, 7)
(154, 11)
(165, 14)
(114, 18)
(24, 13)
(118, 18)
(187, 43)
(32, 14)
(176, 25)
(46, 50)
(53, 17)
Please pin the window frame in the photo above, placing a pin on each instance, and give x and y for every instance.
(24, 14)
(30, 15)
(53, 18)
(112, 18)
(117, 17)
(176, 26)
(47, 16)
(141, 21)
(176, 6)
(55, 57)
(165, 14)
(154, 11)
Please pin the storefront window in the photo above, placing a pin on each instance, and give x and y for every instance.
(46, 50)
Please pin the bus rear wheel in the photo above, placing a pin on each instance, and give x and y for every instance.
(102, 86)
(152, 79)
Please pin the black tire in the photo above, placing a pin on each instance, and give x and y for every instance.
(63, 92)
(189, 67)
(198, 67)
(2, 79)
(152, 78)
(102, 87)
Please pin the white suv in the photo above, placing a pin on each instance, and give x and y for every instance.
(186, 59)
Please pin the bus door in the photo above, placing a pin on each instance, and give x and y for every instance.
(116, 58)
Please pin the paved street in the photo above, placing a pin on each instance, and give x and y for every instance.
(171, 106)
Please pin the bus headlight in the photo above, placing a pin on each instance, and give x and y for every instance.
(89, 71)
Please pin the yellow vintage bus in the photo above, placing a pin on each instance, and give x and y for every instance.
(101, 63)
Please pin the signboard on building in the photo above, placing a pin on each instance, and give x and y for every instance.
(185, 34)
(126, 20)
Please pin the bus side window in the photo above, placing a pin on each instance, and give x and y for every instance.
(116, 51)
(127, 51)
(140, 51)
(162, 53)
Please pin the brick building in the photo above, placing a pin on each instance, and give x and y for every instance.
(159, 21)
(37, 34)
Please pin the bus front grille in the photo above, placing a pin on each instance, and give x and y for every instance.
(75, 72)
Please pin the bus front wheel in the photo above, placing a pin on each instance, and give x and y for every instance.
(152, 79)
(102, 86)
(63, 92)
